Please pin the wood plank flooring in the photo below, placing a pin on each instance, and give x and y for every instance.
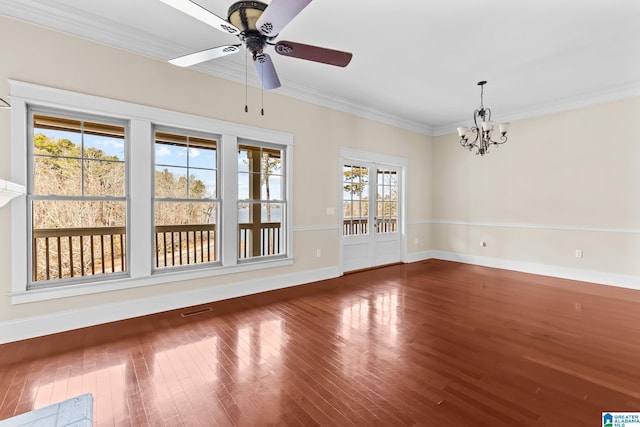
(433, 343)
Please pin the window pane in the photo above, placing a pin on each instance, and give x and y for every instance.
(77, 238)
(202, 158)
(171, 182)
(270, 162)
(202, 184)
(186, 166)
(243, 213)
(103, 147)
(362, 191)
(272, 188)
(243, 186)
(56, 136)
(243, 160)
(265, 235)
(382, 191)
(347, 209)
(272, 212)
(171, 149)
(57, 176)
(104, 178)
(185, 233)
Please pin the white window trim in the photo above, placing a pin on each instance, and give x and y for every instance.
(141, 121)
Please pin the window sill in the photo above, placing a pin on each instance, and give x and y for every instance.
(158, 277)
(8, 191)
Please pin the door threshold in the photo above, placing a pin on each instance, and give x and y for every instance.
(375, 267)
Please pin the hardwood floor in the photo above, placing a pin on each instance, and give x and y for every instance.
(433, 343)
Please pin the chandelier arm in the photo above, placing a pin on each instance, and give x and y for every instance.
(470, 145)
(477, 113)
(503, 139)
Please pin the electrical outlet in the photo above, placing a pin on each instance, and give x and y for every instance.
(578, 253)
(318, 253)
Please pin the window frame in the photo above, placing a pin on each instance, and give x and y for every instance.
(31, 197)
(142, 119)
(283, 201)
(217, 200)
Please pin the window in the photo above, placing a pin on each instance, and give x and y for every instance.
(122, 195)
(77, 197)
(261, 204)
(186, 202)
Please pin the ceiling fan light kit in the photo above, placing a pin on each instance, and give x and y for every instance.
(257, 24)
(483, 132)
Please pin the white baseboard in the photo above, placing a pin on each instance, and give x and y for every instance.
(30, 327)
(591, 276)
(35, 326)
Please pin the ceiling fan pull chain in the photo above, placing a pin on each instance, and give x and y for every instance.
(246, 80)
(262, 87)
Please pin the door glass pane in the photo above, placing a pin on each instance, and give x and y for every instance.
(355, 202)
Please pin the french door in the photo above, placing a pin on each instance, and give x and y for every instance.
(371, 214)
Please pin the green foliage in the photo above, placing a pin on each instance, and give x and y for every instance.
(44, 145)
(356, 179)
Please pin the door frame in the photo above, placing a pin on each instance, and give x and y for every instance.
(349, 155)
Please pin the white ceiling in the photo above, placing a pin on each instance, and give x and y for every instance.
(416, 62)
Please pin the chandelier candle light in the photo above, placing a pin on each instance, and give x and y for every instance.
(482, 140)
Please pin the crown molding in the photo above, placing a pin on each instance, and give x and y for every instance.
(60, 17)
(55, 15)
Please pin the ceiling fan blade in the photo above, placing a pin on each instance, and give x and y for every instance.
(266, 72)
(278, 14)
(199, 12)
(204, 55)
(314, 53)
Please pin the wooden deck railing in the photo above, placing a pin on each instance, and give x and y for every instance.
(357, 226)
(61, 253)
(185, 244)
(269, 242)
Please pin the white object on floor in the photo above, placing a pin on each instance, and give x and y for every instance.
(76, 412)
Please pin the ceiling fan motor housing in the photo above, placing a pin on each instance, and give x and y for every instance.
(244, 14)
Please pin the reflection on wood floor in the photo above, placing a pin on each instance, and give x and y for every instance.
(430, 343)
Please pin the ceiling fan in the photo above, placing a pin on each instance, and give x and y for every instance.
(257, 24)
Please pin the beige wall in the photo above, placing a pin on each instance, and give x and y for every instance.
(35, 55)
(563, 182)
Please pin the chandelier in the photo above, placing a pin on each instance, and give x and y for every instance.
(483, 133)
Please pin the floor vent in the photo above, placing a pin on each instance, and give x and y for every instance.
(196, 312)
